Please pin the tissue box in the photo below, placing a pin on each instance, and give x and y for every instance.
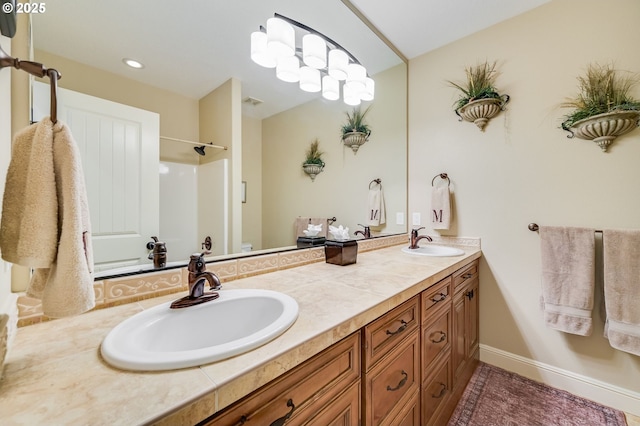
(341, 252)
(310, 241)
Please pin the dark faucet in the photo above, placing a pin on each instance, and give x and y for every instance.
(366, 233)
(415, 238)
(198, 276)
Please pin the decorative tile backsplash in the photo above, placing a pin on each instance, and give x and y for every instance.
(117, 291)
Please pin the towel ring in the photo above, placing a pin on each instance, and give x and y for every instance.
(378, 181)
(442, 176)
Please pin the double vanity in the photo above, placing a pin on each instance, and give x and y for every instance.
(391, 339)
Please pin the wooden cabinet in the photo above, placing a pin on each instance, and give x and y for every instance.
(391, 376)
(465, 317)
(321, 391)
(409, 367)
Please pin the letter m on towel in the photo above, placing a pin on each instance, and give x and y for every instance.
(437, 218)
(375, 214)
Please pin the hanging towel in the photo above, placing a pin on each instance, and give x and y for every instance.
(568, 278)
(45, 219)
(376, 214)
(621, 259)
(440, 207)
(301, 224)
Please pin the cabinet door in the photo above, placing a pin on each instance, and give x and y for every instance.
(458, 350)
(472, 310)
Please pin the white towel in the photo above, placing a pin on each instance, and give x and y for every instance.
(440, 207)
(568, 278)
(621, 258)
(45, 219)
(376, 214)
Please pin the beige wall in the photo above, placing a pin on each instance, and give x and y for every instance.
(523, 169)
(221, 123)
(178, 113)
(341, 189)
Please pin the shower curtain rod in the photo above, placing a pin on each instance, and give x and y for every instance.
(209, 144)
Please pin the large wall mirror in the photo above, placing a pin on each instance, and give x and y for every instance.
(199, 82)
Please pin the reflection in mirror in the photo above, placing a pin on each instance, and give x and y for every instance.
(200, 83)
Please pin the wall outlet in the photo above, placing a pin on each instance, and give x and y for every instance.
(416, 219)
(399, 218)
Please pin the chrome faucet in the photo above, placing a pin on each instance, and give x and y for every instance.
(198, 276)
(366, 233)
(415, 238)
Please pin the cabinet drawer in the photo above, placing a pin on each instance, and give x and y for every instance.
(309, 387)
(393, 381)
(465, 274)
(384, 334)
(410, 414)
(344, 410)
(436, 296)
(436, 390)
(436, 338)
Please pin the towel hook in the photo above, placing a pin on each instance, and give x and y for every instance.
(442, 176)
(378, 181)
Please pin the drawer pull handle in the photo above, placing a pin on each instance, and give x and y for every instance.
(282, 420)
(467, 276)
(443, 390)
(401, 384)
(443, 336)
(470, 294)
(400, 329)
(442, 297)
(242, 421)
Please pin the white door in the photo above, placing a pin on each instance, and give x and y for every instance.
(119, 145)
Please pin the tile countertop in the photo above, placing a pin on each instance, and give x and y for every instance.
(54, 373)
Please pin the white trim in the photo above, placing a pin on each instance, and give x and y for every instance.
(586, 387)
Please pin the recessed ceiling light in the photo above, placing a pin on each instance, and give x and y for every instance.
(133, 63)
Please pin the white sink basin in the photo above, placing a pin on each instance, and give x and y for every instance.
(431, 250)
(164, 339)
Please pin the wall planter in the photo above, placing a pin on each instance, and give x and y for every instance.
(355, 139)
(313, 169)
(481, 111)
(604, 128)
(313, 163)
(480, 100)
(355, 132)
(603, 108)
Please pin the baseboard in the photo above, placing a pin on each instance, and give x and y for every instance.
(586, 387)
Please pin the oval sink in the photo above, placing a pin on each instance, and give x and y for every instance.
(164, 339)
(431, 250)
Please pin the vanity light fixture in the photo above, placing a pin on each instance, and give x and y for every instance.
(319, 65)
(133, 63)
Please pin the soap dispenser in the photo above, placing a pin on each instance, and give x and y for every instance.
(159, 253)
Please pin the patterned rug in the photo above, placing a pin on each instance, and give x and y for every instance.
(495, 397)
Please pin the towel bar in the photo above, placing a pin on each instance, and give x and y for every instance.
(442, 176)
(535, 228)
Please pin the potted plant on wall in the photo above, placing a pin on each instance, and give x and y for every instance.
(480, 100)
(313, 163)
(603, 108)
(355, 132)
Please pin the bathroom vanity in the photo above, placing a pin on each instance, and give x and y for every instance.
(391, 339)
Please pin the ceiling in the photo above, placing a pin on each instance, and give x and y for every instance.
(193, 48)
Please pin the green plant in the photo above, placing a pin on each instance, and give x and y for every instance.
(313, 154)
(479, 84)
(355, 122)
(602, 89)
